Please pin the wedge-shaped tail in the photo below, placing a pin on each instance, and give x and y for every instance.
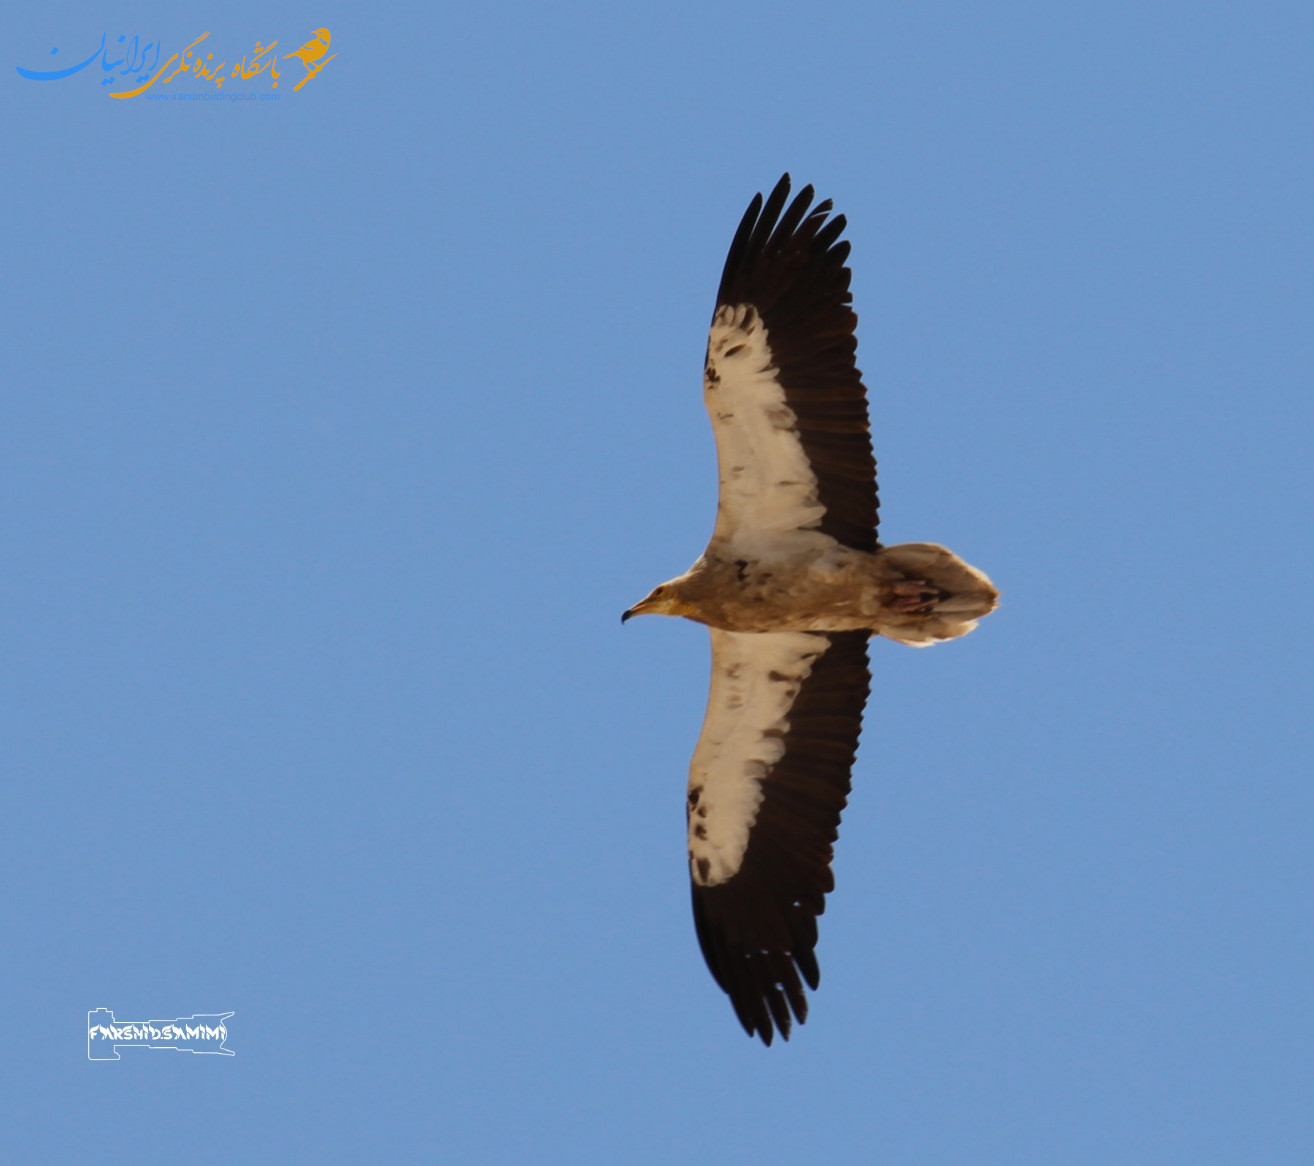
(934, 594)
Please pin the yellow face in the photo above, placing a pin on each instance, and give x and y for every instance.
(661, 600)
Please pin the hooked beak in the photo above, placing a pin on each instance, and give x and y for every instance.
(660, 601)
(643, 607)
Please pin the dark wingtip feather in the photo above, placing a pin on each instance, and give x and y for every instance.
(758, 930)
(789, 263)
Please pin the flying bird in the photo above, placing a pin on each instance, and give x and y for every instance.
(791, 586)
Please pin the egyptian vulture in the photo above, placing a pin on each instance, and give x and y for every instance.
(791, 586)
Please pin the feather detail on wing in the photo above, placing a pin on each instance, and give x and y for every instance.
(787, 403)
(768, 782)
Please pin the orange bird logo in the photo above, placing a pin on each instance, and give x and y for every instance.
(310, 55)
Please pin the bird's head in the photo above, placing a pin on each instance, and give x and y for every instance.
(323, 34)
(664, 599)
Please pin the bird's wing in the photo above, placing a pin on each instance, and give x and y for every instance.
(769, 778)
(786, 400)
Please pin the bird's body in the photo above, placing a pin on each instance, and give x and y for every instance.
(917, 593)
(312, 50)
(792, 585)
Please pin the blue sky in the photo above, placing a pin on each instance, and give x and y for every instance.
(338, 430)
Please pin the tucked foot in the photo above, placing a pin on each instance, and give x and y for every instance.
(915, 597)
(932, 594)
